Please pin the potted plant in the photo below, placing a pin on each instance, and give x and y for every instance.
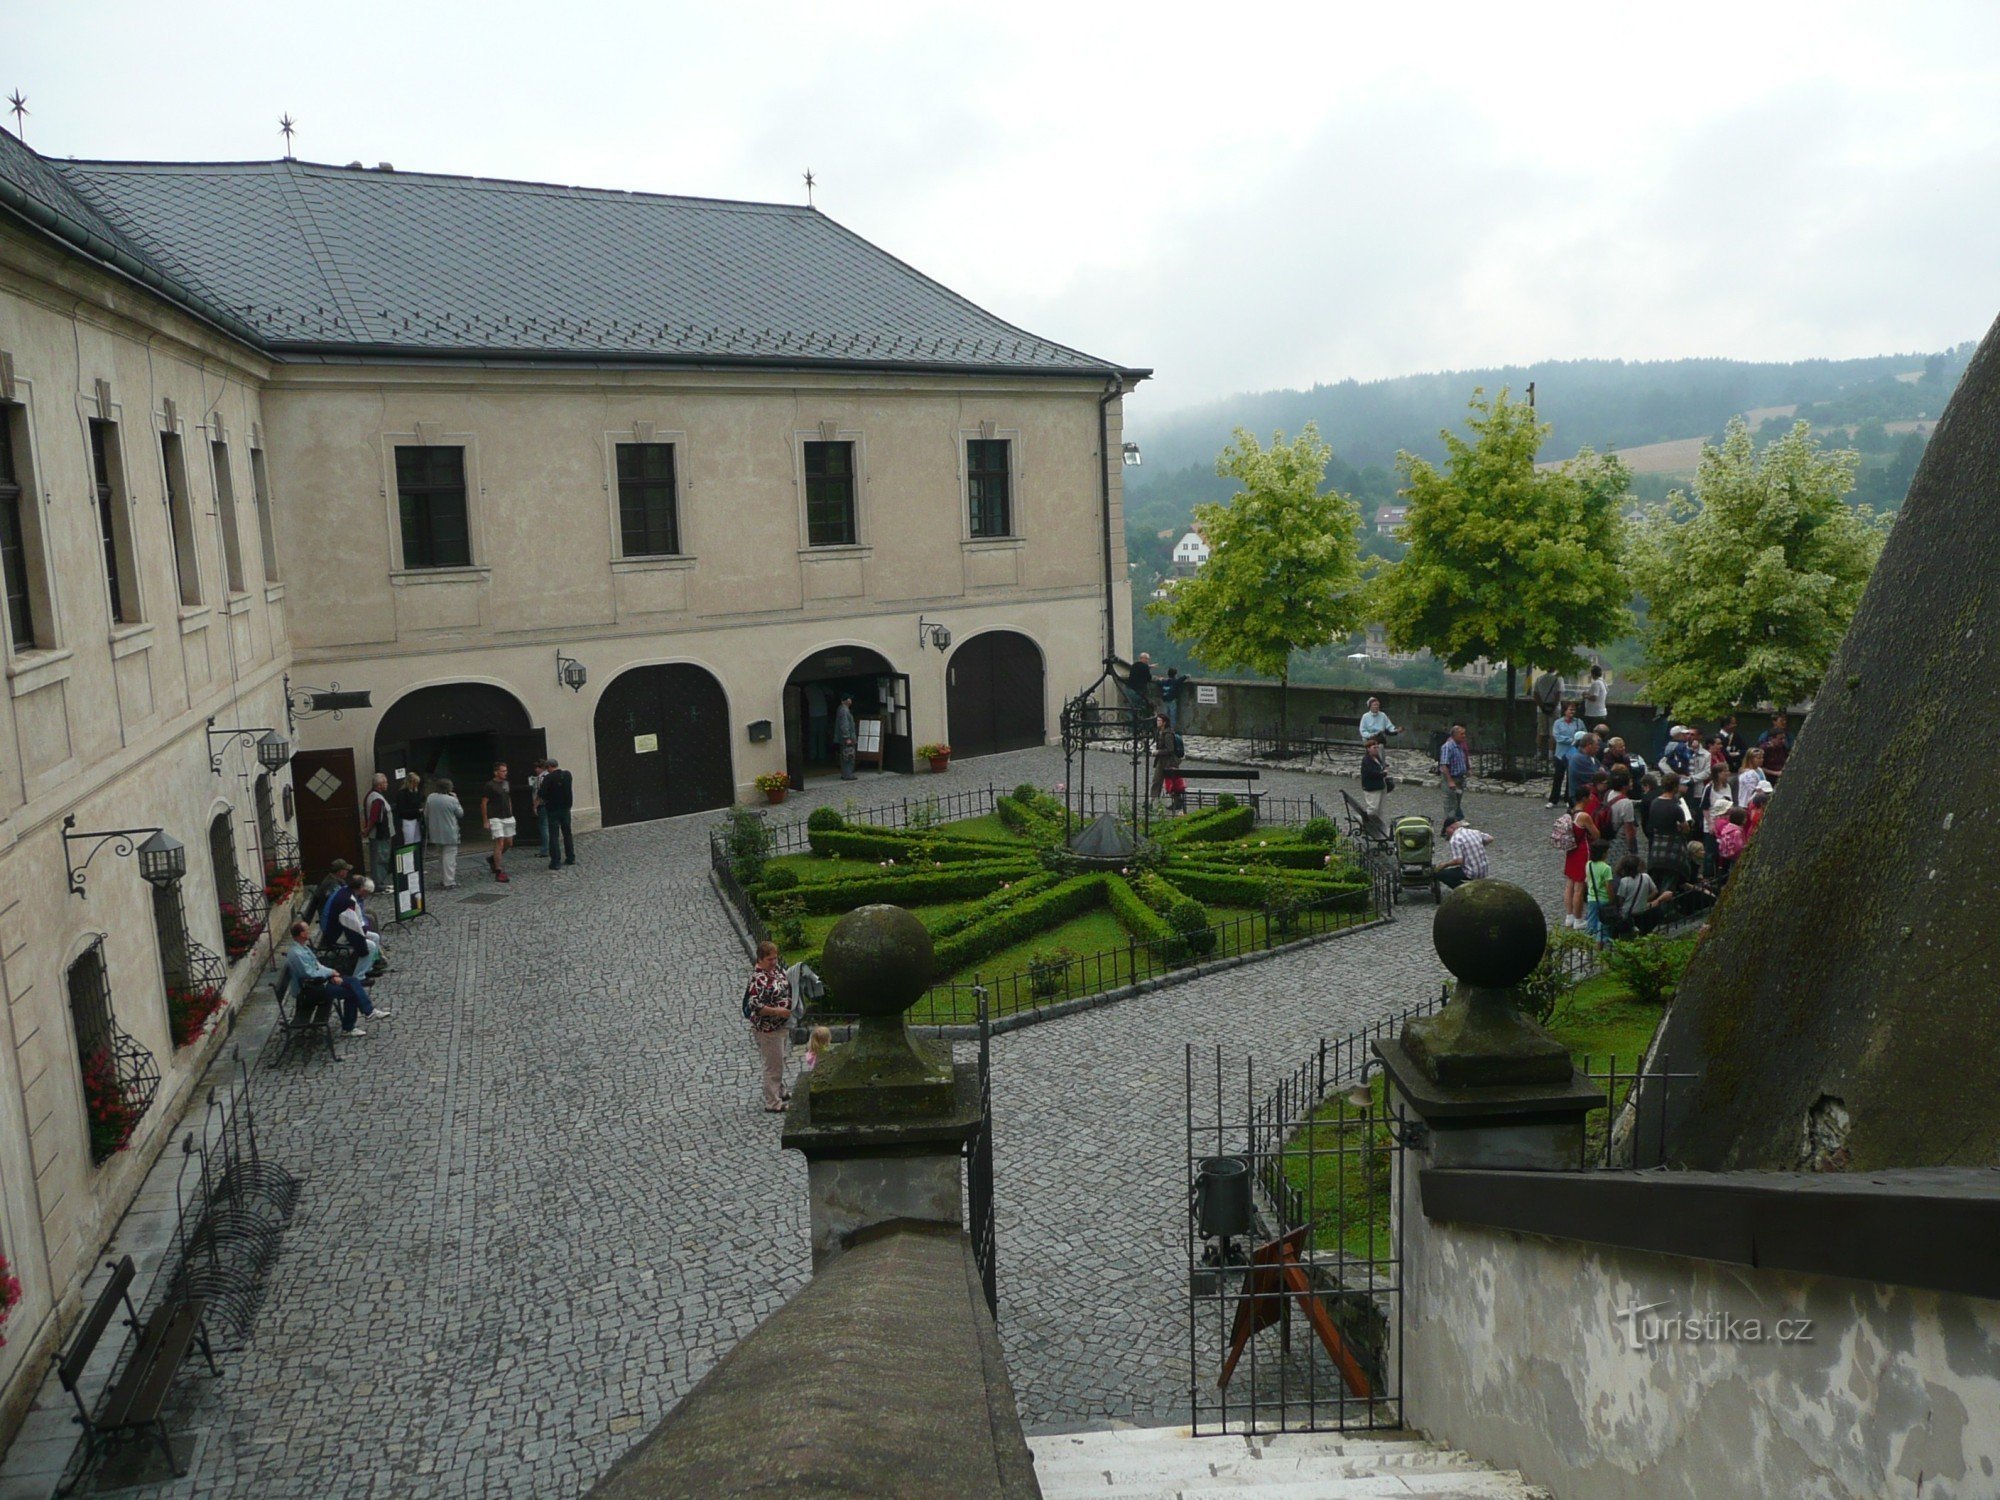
(113, 1112)
(938, 755)
(10, 1293)
(773, 784)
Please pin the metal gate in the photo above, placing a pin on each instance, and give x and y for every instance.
(1294, 1241)
(662, 737)
(994, 695)
(979, 1170)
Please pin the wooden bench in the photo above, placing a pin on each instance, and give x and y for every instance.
(1244, 774)
(307, 1016)
(136, 1396)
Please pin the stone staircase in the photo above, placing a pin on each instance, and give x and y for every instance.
(1165, 1463)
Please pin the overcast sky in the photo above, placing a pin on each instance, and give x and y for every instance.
(1241, 196)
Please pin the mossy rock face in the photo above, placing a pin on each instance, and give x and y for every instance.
(1849, 958)
(876, 961)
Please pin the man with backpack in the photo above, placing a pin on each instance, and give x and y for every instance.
(557, 793)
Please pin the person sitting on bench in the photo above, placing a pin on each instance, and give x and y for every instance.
(347, 925)
(303, 968)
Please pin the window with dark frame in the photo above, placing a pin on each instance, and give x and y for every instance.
(225, 515)
(90, 1002)
(987, 483)
(14, 542)
(112, 525)
(830, 495)
(430, 490)
(260, 487)
(180, 520)
(648, 514)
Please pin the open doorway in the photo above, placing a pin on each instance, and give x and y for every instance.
(458, 730)
(813, 692)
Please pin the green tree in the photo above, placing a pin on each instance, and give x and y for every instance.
(1506, 560)
(1750, 583)
(1283, 572)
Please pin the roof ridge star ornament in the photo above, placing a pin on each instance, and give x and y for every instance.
(18, 103)
(809, 187)
(287, 124)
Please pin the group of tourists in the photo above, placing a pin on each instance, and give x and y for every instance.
(1148, 692)
(336, 949)
(409, 815)
(1642, 843)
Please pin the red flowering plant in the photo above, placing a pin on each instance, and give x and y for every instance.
(114, 1112)
(240, 930)
(282, 883)
(189, 1009)
(10, 1293)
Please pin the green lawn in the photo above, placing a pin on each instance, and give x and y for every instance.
(1339, 1159)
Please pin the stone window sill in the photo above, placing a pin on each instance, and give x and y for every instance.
(236, 604)
(130, 640)
(663, 563)
(273, 592)
(194, 617)
(416, 577)
(32, 671)
(993, 543)
(854, 549)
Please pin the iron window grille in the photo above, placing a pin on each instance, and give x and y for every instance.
(194, 975)
(14, 541)
(830, 495)
(120, 1076)
(987, 475)
(180, 521)
(648, 513)
(110, 521)
(430, 491)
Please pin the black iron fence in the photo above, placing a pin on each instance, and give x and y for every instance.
(979, 1202)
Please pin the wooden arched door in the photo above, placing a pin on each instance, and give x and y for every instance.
(662, 736)
(994, 694)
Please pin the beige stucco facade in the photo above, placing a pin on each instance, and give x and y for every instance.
(747, 600)
(106, 722)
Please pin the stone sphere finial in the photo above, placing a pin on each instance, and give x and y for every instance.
(876, 962)
(1490, 934)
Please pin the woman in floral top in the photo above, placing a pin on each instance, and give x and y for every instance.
(767, 1006)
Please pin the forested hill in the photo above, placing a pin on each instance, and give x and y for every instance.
(1603, 403)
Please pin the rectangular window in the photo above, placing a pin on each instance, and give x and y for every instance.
(986, 483)
(14, 560)
(225, 515)
(180, 520)
(90, 1002)
(830, 495)
(649, 524)
(260, 482)
(430, 486)
(114, 523)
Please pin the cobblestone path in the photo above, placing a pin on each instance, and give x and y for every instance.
(541, 1200)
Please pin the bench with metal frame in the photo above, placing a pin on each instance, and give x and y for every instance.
(134, 1400)
(1365, 826)
(307, 1015)
(1243, 774)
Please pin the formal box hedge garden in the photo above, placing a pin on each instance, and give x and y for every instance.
(1008, 906)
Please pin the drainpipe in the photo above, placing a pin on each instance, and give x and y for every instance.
(1111, 394)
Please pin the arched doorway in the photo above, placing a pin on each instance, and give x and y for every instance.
(662, 735)
(458, 730)
(813, 692)
(994, 694)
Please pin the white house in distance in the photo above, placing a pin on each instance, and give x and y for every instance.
(1190, 551)
(1389, 519)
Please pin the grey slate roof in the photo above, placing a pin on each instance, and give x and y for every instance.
(321, 261)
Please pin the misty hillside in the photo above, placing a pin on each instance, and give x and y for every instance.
(1605, 404)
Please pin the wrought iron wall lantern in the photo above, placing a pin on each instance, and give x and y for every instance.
(311, 702)
(273, 749)
(162, 857)
(571, 673)
(933, 634)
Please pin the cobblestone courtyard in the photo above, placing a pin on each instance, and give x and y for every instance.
(541, 1200)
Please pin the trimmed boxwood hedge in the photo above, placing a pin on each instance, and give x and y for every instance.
(1034, 819)
(853, 843)
(1135, 916)
(1248, 890)
(1287, 856)
(1018, 922)
(1019, 889)
(1214, 824)
(903, 887)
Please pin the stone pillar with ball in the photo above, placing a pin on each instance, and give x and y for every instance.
(884, 1118)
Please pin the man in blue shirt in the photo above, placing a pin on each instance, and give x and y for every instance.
(1562, 740)
(1582, 766)
(302, 967)
(1452, 768)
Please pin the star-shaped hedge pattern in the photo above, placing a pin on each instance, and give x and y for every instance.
(1006, 891)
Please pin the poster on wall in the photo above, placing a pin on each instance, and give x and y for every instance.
(1203, 693)
(407, 879)
(868, 742)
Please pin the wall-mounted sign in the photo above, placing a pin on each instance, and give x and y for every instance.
(645, 744)
(1203, 693)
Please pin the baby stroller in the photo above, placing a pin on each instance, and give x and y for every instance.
(1415, 846)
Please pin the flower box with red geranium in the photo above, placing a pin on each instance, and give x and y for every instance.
(189, 1010)
(113, 1111)
(10, 1293)
(240, 930)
